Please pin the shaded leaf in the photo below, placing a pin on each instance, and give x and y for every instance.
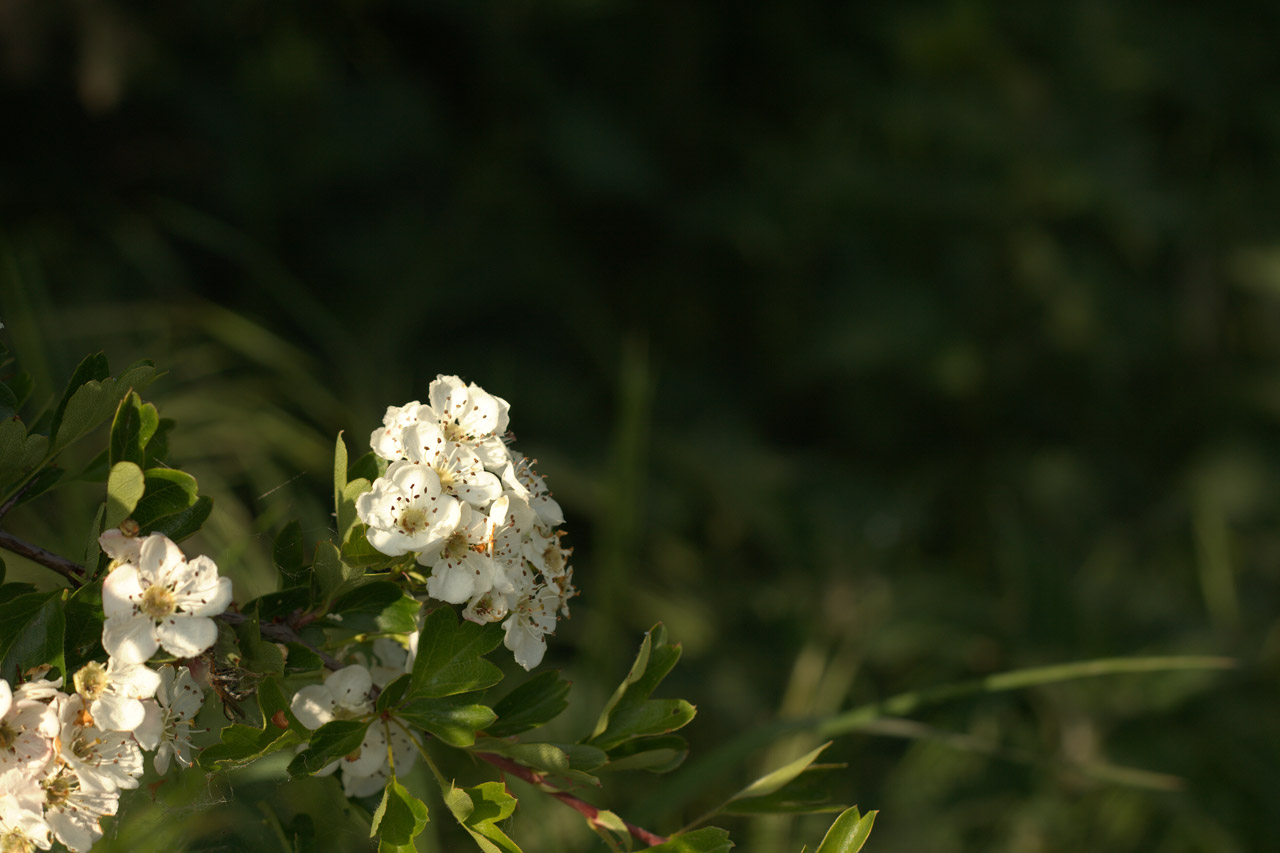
(180, 525)
(658, 754)
(400, 817)
(709, 839)
(286, 551)
(535, 702)
(330, 742)
(451, 719)
(450, 655)
(168, 491)
(630, 712)
(31, 634)
(330, 576)
(242, 745)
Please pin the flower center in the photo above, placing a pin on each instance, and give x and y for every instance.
(16, 841)
(91, 680)
(457, 546)
(412, 520)
(454, 432)
(554, 558)
(58, 791)
(83, 748)
(7, 736)
(157, 602)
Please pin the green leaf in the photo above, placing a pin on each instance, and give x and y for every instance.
(401, 617)
(82, 639)
(630, 712)
(339, 478)
(400, 817)
(19, 451)
(848, 833)
(450, 655)
(258, 655)
(158, 445)
(366, 467)
(370, 598)
(180, 525)
(125, 486)
(330, 576)
(40, 483)
(479, 810)
(168, 491)
(287, 551)
(357, 551)
(93, 368)
(658, 754)
(94, 401)
(392, 693)
(450, 719)
(329, 743)
(131, 430)
(538, 700)
(281, 603)
(31, 631)
(776, 779)
(10, 591)
(808, 793)
(8, 402)
(706, 840)
(652, 717)
(347, 504)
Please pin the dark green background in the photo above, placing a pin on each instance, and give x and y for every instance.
(869, 346)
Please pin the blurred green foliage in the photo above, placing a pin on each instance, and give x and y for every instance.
(869, 346)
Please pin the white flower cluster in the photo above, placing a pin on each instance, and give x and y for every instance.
(65, 758)
(475, 514)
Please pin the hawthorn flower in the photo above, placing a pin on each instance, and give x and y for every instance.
(406, 510)
(344, 695)
(73, 812)
(370, 760)
(533, 617)
(460, 470)
(121, 547)
(167, 728)
(113, 692)
(463, 567)
(386, 441)
(27, 731)
(104, 761)
(471, 416)
(22, 825)
(162, 600)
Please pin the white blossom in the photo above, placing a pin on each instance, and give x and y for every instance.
(344, 695)
(163, 600)
(73, 812)
(460, 470)
(22, 824)
(406, 510)
(168, 726)
(531, 619)
(463, 566)
(113, 692)
(27, 731)
(104, 761)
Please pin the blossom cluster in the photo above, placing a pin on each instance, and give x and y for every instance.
(470, 510)
(65, 757)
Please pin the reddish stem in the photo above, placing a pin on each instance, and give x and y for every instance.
(590, 812)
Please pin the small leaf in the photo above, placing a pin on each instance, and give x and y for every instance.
(243, 745)
(125, 487)
(93, 368)
(129, 432)
(450, 656)
(808, 793)
(774, 780)
(392, 693)
(653, 717)
(330, 742)
(339, 477)
(287, 552)
(347, 505)
(630, 712)
(180, 525)
(538, 700)
(564, 765)
(400, 817)
(848, 833)
(658, 754)
(479, 810)
(95, 401)
(259, 655)
(450, 719)
(169, 491)
(357, 551)
(706, 840)
(31, 633)
(330, 576)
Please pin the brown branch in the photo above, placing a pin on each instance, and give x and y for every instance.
(73, 572)
(282, 632)
(590, 812)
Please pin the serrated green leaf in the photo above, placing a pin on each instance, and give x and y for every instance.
(479, 810)
(168, 491)
(330, 742)
(400, 817)
(709, 839)
(400, 617)
(93, 402)
(849, 832)
(125, 486)
(180, 525)
(92, 368)
(450, 656)
(537, 701)
(287, 551)
(31, 634)
(451, 719)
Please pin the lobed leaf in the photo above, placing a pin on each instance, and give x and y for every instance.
(94, 400)
(242, 745)
(479, 810)
(400, 817)
(630, 712)
(450, 656)
(451, 719)
(329, 743)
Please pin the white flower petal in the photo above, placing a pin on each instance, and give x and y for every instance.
(120, 590)
(130, 638)
(313, 705)
(186, 636)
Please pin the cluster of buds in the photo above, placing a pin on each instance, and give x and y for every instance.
(472, 512)
(65, 757)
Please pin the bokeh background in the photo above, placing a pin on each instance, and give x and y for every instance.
(868, 346)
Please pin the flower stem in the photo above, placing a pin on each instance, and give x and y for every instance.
(590, 812)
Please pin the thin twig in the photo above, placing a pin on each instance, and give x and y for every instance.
(73, 572)
(586, 809)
